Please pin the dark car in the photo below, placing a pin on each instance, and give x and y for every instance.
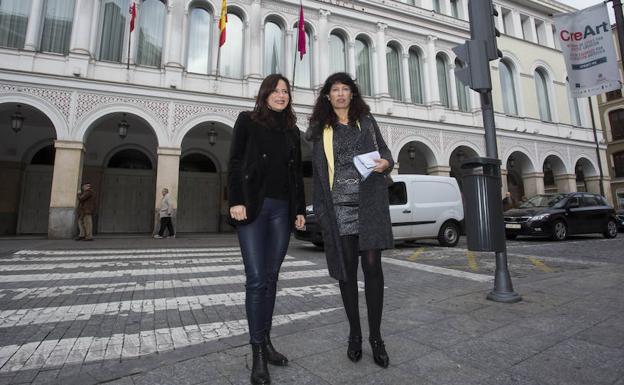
(620, 219)
(559, 215)
(312, 231)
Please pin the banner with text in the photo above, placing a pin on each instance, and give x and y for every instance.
(587, 43)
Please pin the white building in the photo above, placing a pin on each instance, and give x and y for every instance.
(63, 66)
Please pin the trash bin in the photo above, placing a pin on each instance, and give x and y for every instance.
(483, 210)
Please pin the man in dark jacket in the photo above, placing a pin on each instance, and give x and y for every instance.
(86, 208)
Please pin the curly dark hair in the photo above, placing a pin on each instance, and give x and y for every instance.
(262, 113)
(323, 113)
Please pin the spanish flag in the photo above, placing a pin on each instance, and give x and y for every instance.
(222, 22)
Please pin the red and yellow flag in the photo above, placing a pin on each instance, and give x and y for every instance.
(222, 22)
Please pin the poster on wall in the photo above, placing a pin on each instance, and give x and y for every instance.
(586, 41)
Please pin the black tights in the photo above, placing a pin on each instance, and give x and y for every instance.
(373, 286)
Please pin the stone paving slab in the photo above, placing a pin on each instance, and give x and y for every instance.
(439, 329)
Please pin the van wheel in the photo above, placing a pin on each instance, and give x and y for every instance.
(611, 231)
(449, 234)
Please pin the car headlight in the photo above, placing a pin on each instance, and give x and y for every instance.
(540, 217)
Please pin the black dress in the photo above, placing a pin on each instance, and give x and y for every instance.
(346, 188)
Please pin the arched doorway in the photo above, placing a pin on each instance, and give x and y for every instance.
(198, 194)
(120, 163)
(127, 193)
(415, 158)
(555, 176)
(521, 181)
(586, 175)
(36, 191)
(26, 169)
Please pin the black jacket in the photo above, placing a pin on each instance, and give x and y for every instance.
(247, 170)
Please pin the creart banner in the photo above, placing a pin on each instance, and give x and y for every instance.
(586, 41)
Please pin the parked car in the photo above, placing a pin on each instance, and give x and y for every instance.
(620, 219)
(421, 206)
(559, 215)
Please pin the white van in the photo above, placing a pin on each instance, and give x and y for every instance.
(421, 207)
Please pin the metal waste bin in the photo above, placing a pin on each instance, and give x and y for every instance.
(483, 210)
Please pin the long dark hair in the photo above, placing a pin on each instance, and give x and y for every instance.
(262, 113)
(323, 113)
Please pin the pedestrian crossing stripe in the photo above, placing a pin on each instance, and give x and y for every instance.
(128, 251)
(66, 351)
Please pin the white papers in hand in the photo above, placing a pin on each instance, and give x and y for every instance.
(365, 163)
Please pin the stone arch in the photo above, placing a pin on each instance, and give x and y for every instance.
(86, 124)
(207, 154)
(129, 146)
(59, 121)
(195, 120)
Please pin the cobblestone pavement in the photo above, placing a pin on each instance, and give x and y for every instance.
(173, 313)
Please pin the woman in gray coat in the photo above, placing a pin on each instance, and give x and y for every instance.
(352, 210)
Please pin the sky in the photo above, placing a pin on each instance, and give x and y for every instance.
(580, 4)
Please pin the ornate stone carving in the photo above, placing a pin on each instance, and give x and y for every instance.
(58, 98)
(89, 101)
(399, 133)
(185, 112)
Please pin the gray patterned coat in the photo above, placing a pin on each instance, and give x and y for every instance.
(375, 227)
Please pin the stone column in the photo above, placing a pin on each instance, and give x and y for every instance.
(81, 29)
(565, 182)
(167, 176)
(550, 38)
(504, 185)
(516, 25)
(533, 183)
(445, 7)
(439, 170)
(407, 90)
(351, 58)
(323, 52)
(290, 51)
(35, 23)
(532, 32)
(593, 184)
(500, 24)
(431, 76)
(426, 4)
(453, 84)
(382, 65)
(176, 18)
(65, 185)
(255, 40)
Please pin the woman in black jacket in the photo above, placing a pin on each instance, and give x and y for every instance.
(352, 210)
(265, 188)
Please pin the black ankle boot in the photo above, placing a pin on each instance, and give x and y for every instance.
(379, 352)
(354, 351)
(259, 370)
(274, 357)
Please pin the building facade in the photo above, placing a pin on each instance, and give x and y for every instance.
(612, 117)
(135, 112)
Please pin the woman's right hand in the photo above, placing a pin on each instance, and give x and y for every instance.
(238, 212)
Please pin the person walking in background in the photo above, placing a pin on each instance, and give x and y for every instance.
(86, 209)
(266, 200)
(165, 210)
(352, 209)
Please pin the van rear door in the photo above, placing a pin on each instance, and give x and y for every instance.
(400, 211)
(431, 200)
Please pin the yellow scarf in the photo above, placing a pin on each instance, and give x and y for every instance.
(328, 146)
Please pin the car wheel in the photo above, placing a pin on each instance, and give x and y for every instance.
(449, 234)
(318, 244)
(511, 236)
(611, 231)
(560, 231)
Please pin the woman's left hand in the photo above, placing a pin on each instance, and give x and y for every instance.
(300, 222)
(381, 166)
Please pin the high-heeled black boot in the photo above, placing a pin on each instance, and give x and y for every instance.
(354, 351)
(259, 369)
(379, 352)
(274, 357)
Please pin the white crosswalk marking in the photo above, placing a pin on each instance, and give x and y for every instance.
(128, 303)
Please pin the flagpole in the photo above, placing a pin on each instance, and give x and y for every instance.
(218, 60)
(295, 61)
(129, 42)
